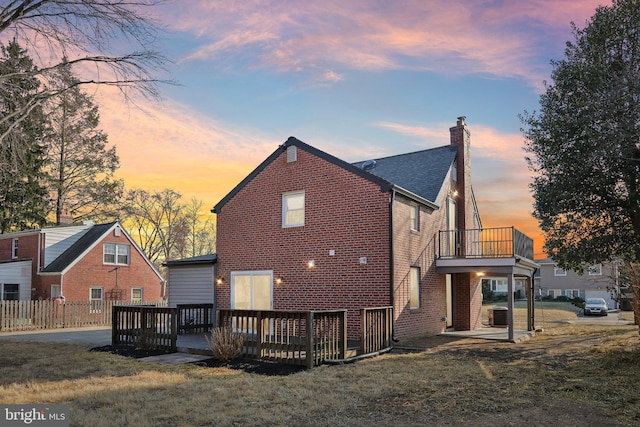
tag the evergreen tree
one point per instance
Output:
(22, 194)
(79, 162)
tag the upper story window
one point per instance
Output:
(557, 271)
(414, 215)
(116, 254)
(293, 209)
(595, 270)
(14, 248)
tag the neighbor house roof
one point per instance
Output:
(92, 237)
(74, 251)
(418, 175)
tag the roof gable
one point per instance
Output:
(89, 240)
(384, 185)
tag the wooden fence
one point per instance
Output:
(145, 327)
(47, 314)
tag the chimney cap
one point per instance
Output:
(461, 120)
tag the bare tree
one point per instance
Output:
(90, 33)
(166, 229)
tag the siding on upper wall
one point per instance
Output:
(191, 284)
(17, 272)
(59, 239)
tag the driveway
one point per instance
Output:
(613, 318)
(93, 336)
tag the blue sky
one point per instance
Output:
(358, 79)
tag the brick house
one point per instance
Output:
(308, 231)
(86, 262)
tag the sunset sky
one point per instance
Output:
(357, 79)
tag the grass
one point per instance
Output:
(572, 374)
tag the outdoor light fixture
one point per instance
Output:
(480, 273)
(454, 193)
(311, 263)
(279, 280)
(219, 281)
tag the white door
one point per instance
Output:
(251, 290)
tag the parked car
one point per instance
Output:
(595, 306)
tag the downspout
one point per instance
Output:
(392, 265)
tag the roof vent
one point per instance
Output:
(368, 165)
(292, 153)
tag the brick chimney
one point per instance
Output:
(65, 219)
(461, 138)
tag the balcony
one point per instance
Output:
(504, 242)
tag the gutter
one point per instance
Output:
(392, 199)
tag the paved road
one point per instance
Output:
(94, 336)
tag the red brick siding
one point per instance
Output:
(418, 249)
(343, 212)
(90, 272)
(27, 249)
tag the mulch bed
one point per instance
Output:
(129, 351)
(252, 366)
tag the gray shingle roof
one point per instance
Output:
(201, 259)
(421, 172)
(59, 264)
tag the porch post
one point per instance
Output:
(510, 305)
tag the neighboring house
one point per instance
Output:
(499, 286)
(308, 231)
(86, 262)
(597, 281)
(191, 280)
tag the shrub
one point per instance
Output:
(225, 343)
(145, 339)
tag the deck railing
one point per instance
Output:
(195, 318)
(295, 337)
(485, 243)
(145, 327)
(377, 329)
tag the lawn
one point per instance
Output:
(570, 374)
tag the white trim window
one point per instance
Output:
(595, 270)
(557, 271)
(554, 293)
(414, 217)
(96, 295)
(116, 254)
(572, 293)
(56, 291)
(293, 209)
(414, 288)
(14, 248)
(136, 295)
(11, 292)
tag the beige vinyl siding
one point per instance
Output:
(191, 284)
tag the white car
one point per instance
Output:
(595, 306)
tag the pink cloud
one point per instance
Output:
(438, 35)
